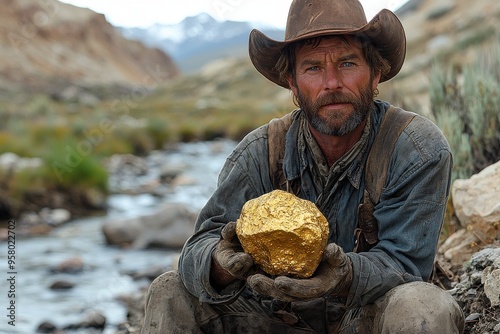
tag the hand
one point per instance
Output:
(332, 277)
(229, 261)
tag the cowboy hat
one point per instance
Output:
(313, 18)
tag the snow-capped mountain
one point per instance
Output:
(199, 39)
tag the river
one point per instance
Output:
(104, 276)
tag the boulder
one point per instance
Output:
(168, 227)
(477, 200)
(476, 203)
(285, 235)
(460, 246)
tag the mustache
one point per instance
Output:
(332, 98)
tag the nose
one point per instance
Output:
(331, 78)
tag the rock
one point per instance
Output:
(72, 265)
(459, 247)
(30, 218)
(150, 273)
(46, 327)
(476, 205)
(54, 217)
(8, 160)
(492, 285)
(168, 227)
(474, 296)
(473, 317)
(475, 200)
(4, 234)
(285, 235)
(92, 320)
(11, 160)
(170, 172)
(62, 285)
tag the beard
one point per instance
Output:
(327, 125)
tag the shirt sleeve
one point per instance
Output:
(244, 176)
(409, 214)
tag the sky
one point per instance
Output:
(144, 13)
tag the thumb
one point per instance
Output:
(229, 231)
(334, 255)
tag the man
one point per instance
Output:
(332, 60)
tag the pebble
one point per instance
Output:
(473, 317)
(61, 285)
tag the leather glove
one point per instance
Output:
(332, 277)
(229, 254)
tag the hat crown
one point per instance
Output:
(310, 16)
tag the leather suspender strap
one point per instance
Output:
(276, 132)
(376, 170)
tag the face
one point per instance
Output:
(334, 85)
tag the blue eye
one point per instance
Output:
(313, 68)
(347, 64)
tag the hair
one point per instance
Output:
(285, 66)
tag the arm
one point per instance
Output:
(410, 215)
(243, 176)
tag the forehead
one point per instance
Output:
(336, 45)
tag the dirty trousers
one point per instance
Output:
(415, 307)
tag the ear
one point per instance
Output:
(292, 86)
(376, 80)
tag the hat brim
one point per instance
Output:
(385, 31)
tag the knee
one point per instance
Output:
(165, 282)
(420, 307)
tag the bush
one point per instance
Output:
(465, 104)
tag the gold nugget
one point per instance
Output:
(285, 235)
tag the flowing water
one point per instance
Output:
(104, 276)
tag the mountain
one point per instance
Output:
(48, 44)
(197, 40)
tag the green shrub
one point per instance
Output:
(188, 131)
(466, 104)
(71, 167)
(158, 131)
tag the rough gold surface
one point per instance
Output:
(285, 235)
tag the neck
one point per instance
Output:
(334, 147)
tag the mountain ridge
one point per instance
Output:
(200, 39)
(49, 44)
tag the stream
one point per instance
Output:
(104, 276)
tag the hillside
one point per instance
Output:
(447, 33)
(48, 44)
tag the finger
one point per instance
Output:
(265, 287)
(229, 231)
(239, 264)
(303, 289)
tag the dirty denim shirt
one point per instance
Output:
(410, 212)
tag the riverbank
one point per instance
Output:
(70, 272)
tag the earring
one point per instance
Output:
(375, 92)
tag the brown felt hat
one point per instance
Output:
(313, 18)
